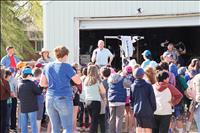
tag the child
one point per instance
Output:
(143, 102)
(129, 120)
(93, 92)
(117, 98)
(8, 75)
(83, 114)
(179, 109)
(166, 97)
(40, 98)
(13, 88)
(105, 73)
(76, 97)
(27, 93)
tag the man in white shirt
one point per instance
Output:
(101, 55)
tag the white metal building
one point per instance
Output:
(63, 20)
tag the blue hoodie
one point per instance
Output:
(173, 69)
(116, 91)
(143, 99)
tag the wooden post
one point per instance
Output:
(138, 52)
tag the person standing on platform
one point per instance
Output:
(101, 55)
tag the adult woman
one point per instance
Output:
(59, 104)
(93, 89)
(4, 95)
(45, 58)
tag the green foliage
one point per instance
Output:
(36, 12)
(13, 29)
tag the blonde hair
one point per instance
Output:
(150, 75)
(92, 75)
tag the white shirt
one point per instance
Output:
(101, 56)
(92, 92)
(163, 107)
(127, 45)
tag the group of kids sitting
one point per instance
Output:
(156, 99)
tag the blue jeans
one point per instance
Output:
(24, 122)
(60, 111)
(197, 118)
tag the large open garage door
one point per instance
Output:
(140, 22)
(174, 30)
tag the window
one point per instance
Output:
(38, 45)
(32, 35)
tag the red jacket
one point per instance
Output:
(4, 90)
(176, 94)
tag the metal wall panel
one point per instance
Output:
(59, 16)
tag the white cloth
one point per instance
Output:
(127, 46)
(101, 56)
(132, 62)
(163, 98)
(114, 104)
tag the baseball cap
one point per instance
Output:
(128, 69)
(27, 71)
(182, 70)
(11, 69)
(138, 72)
(39, 65)
(43, 50)
(9, 47)
(167, 54)
(146, 53)
(132, 62)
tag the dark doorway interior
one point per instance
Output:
(153, 37)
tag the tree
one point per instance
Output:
(13, 26)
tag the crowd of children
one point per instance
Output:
(152, 97)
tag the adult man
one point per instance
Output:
(101, 55)
(171, 50)
(148, 62)
(10, 60)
